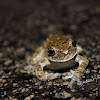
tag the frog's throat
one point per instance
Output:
(63, 60)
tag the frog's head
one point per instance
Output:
(60, 48)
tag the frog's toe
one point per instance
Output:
(72, 83)
(49, 76)
(69, 76)
(75, 79)
(52, 76)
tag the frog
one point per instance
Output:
(59, 52)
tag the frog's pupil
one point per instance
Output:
(51, 52)
(74, 43)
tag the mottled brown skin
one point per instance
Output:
(58, 49)
(60, 44)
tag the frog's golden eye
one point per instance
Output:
(74, 43)
(51, 52)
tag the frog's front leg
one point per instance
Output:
(83, 62)
(38, 54)
(44, 75)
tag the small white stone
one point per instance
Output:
(14, 99)
(8, 62)
(63, 94)
(30, 69)
(94, 71)
(28, 98)
(87, 71)
(98, 66)
(73, 98)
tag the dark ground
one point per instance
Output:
(24, 24)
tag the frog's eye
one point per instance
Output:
(74, 43)
(51, 52)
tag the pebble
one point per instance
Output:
(2, 80)
(95, 89)
(15, 84)
(66, 94)
(14, 99)
(49, 83)
(90, 94)
(28, 98)
(94, 71)
(14, 91)
(97, 93)
(57, 84)
(63, 94)
(45, 93)
(93, 43)
(40, 87)
(98, 66)
(54, 91)
(98, 46)
(73, 98)
(80, 98)
(73, 90)
(11, 98)
(87, 71)
(8, 62)
(29, 69)
(95, 67)
(24, 90)
(98, 57)
(5, 43)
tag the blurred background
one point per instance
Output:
(24, 24)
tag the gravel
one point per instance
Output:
(24, 24)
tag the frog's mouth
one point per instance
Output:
(62, 60)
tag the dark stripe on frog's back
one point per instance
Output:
(61, 65)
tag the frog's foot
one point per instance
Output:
(49, 76)
(76, 78)
(68, 76)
